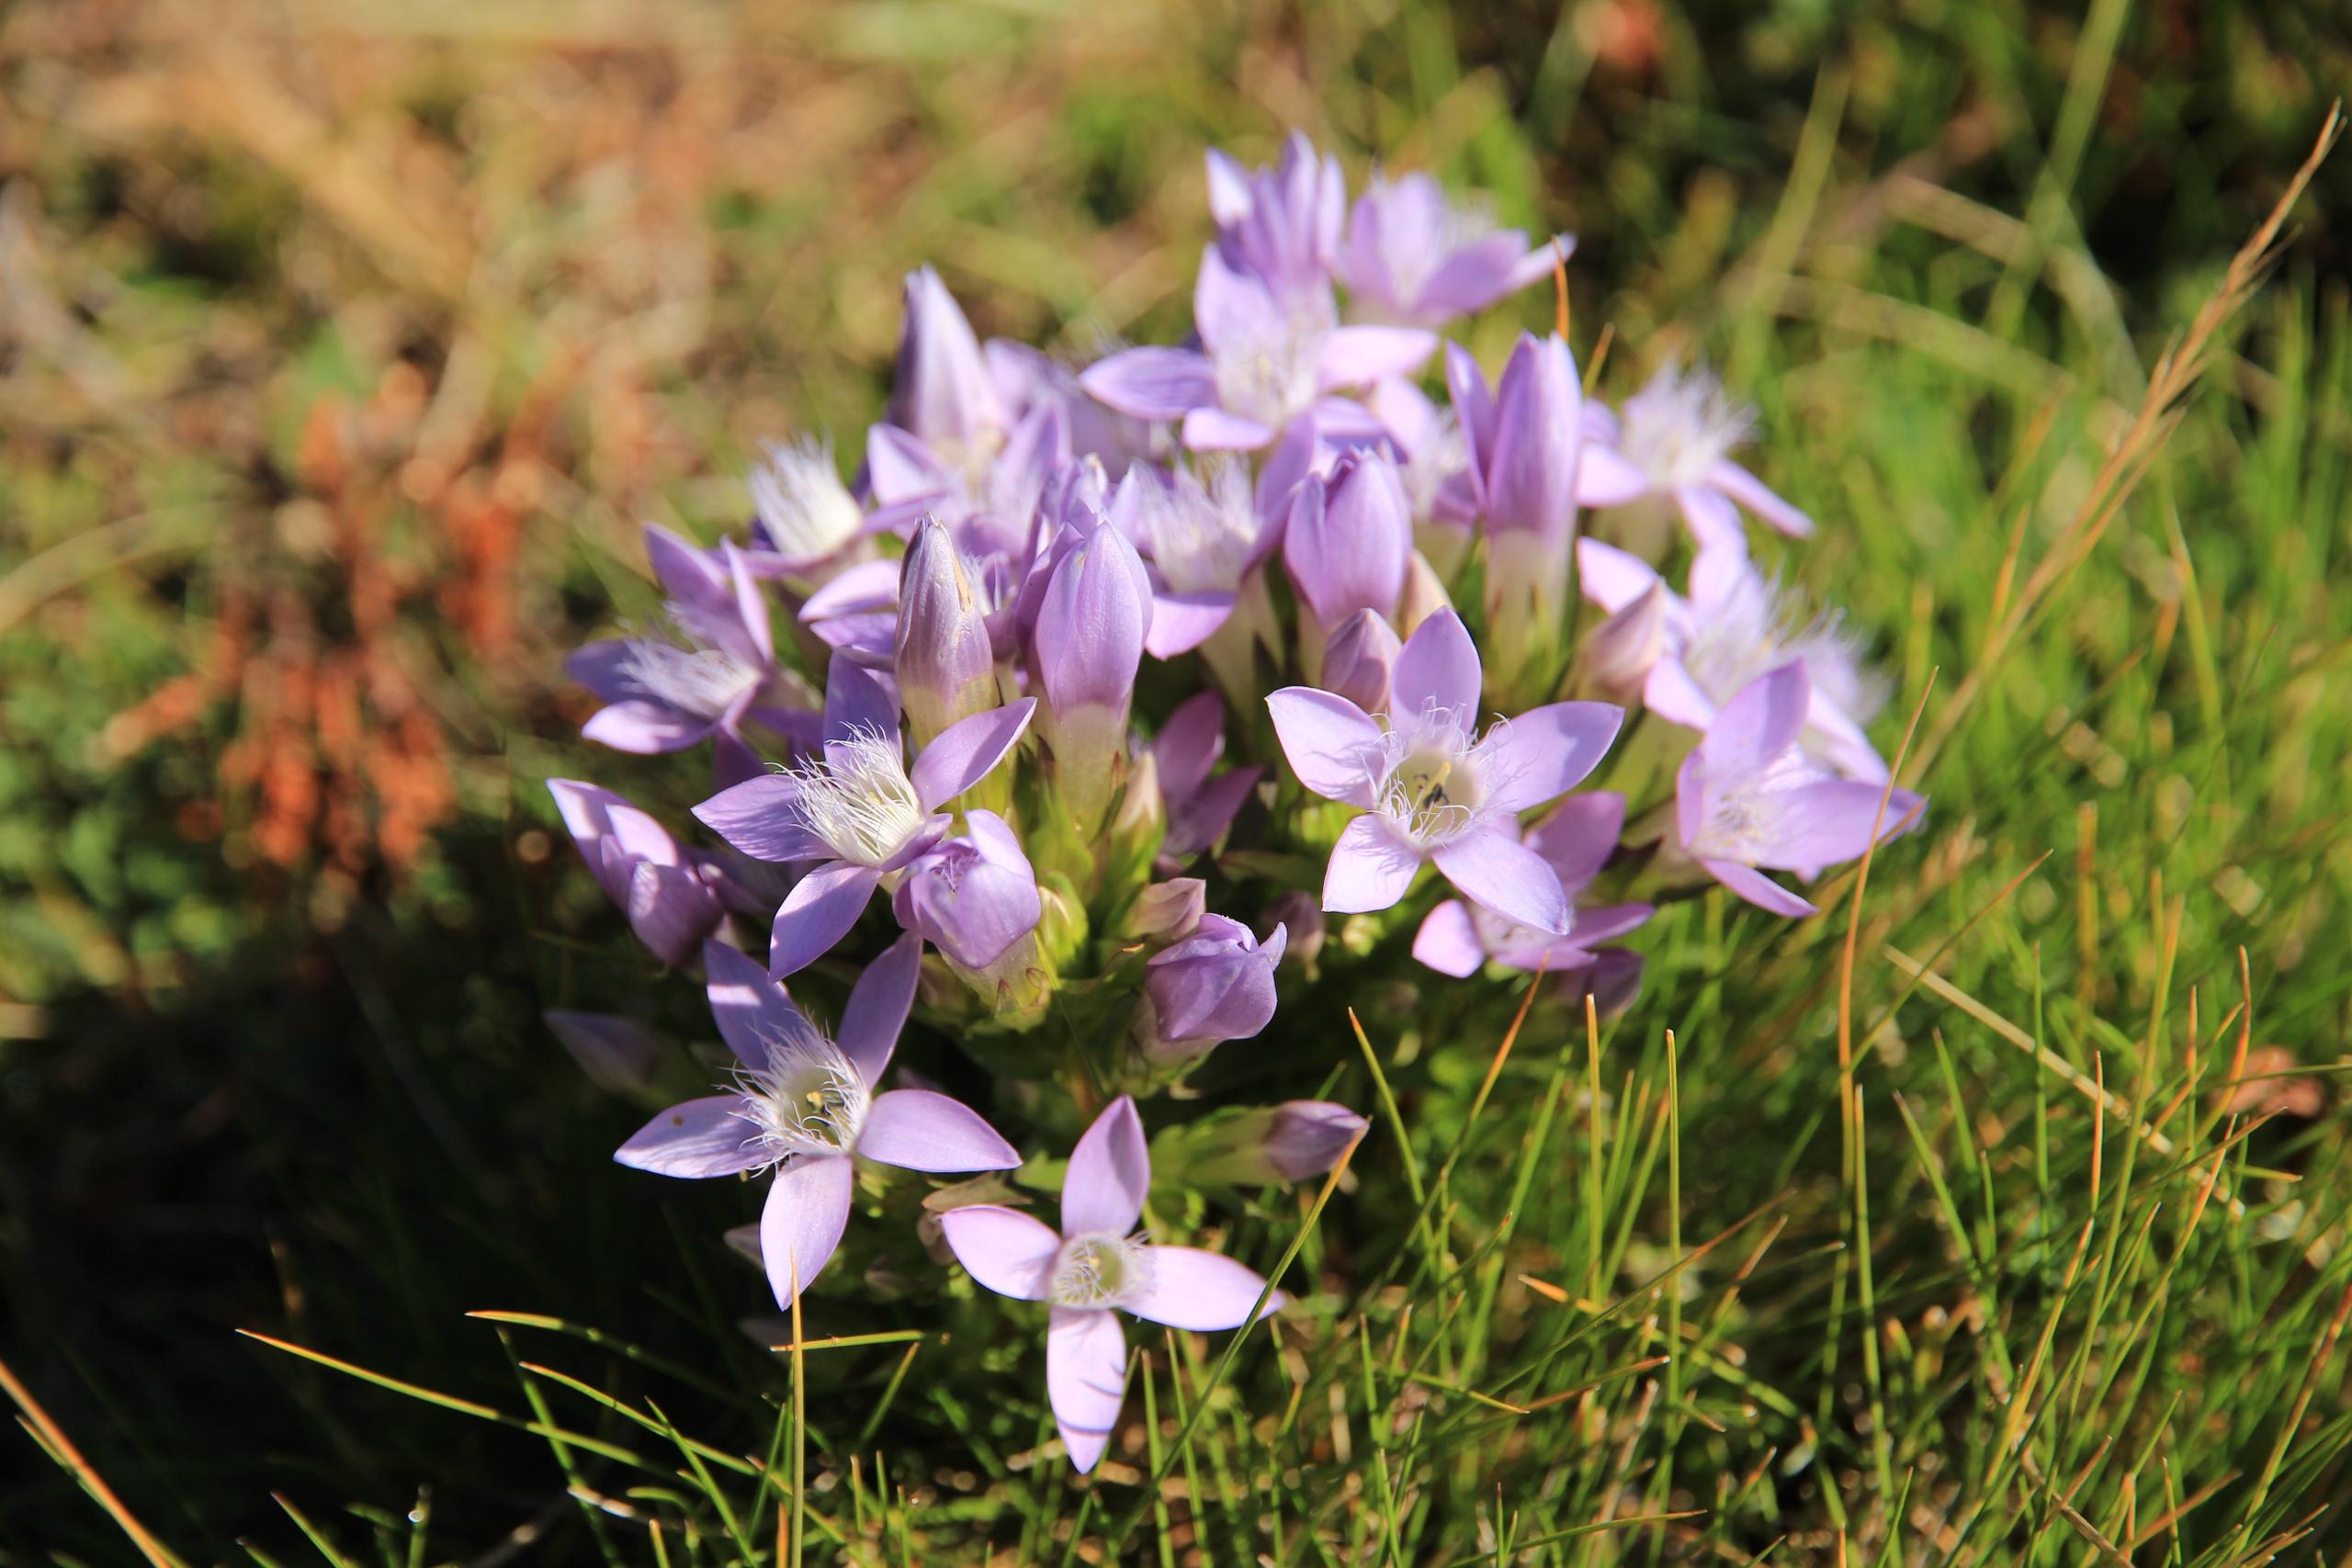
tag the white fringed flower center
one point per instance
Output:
(1430, 781)
(1202, 530)
(859, 799)
(1758, 627)
(1270, 377)
(802, 503)
(1425, 228)
(1743, 816)
(703, 681)
(809, 1099)
(1680, 425)
(1097, 1271)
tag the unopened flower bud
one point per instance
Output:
(1295, 1141)
(1083, 656)
(616, 1053)
(1217, 984)
(1424, 594)
(1168, 911)
(1617, 658)
(1348, 539)
(1358, 660)
(1298, 914)
(945, 666)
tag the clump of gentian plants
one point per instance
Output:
(1374, 702)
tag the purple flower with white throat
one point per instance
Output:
(1416, 256)
(1432, 787)
(974, 896)
(859, 809)
(1748, 800)
(1673, 439)
(1459, 938)
(1215, 985)
(1202, 535)
(1096, 1266)
(1736, 626)
(706, 674)
(1201, 802)
(803, 1105)
(1267, 359)
(672, 899)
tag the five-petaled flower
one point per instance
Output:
(1097, 1263)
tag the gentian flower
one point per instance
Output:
(1416, 257)
(802, 1105)
(1295, 1141)
(709, 672)
(1201, 802)
(1216, 985)
(941, 653)
(1096, 1266)
(1432, 787)
(1349, 540)
(673, 900)
(1671, 440)
(1203, 537)
(1092, 618)
(974, 896)
(1749, 799)
(805, 522)
(1524, 442)
(942, 393)
(1360, 660)
(1267, 359)
(1459, 938)
(1280, 225)
(860, 810)
(1736, 626)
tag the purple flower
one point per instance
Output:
(942, 393)
(1416, 257)
(1736, 626)
(973, 896)
(944, 663)
(860, 810)
(1749, 799)
(1203, 537)
(616, 1053)
(1458, 937)
(1348, 539)
(1201, 802)
(1266, 359)
(1280, 225)
(1216, 986)
(1360, 660)
(1432, 787)
(805, 522)
(1088, 644)
(1671, 440)
(1524, 442)
(1295, 1141)
(802, 1105)
(707, 672)
(672, 899)
(1097, 1263)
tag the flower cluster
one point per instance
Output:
(1029, 730)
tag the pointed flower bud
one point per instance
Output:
(1299, 915)
(1083, 654)
(1216, 985)
(945, 666)
(616, 1053)
(1424, 596)
(944, 394)
(1618, 657)
(1359, 658)
(1348, 539)
(1295, 1141)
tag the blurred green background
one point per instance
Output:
(344, 348)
